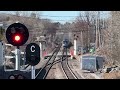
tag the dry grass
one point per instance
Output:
(112, 75)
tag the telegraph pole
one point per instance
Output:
(88, 28)
(81, 43)
(98, 37)
(88, 36)
(96, 41)
(99, 28)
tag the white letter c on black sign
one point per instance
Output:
(32, 48)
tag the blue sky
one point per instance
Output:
(59, 16)
(63, 16)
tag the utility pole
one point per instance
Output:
(88, 28)
(96, 41)
(88, 36)
(99, 32)
(81, 43)
(102, 32)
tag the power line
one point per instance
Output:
(58, 16)
(63, 20)
(72, 28)
(69, 16)
(11, 12)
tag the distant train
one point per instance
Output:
(66, 43)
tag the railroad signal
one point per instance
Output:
(76, 37)
(17, 34)
(33, 54)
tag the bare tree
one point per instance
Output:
(85, 24)
(31, 20)
(111, 36)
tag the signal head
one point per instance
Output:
(17, 34)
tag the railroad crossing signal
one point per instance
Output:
(33, 54)
(17, 34)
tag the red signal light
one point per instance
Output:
(17, 38)
(17, 34)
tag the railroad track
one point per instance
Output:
(42, 74)
(66, 68)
